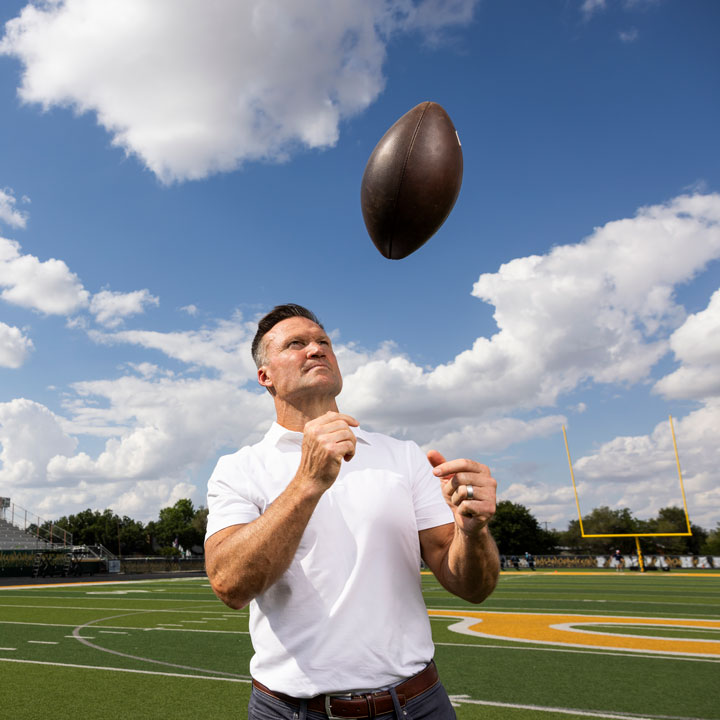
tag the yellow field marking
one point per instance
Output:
(557, 629)
(608, 574)
(601, 573)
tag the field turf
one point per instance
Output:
(545, 645)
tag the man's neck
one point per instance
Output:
(294, 416)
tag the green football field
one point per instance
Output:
(545, 645)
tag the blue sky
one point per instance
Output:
(169, 171)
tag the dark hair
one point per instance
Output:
(276, 315)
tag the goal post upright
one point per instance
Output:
(637, 536)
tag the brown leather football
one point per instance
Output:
(411, 180)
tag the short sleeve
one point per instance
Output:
(431, 509)
(229, 494)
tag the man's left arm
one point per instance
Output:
(463, 555)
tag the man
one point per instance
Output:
(320, 527)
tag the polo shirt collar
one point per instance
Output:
(277, 434)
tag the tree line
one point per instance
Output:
(178, 528)
(516, 531)
(514, 527)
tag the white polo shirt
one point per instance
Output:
(349, 613)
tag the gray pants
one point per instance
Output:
(433, 704)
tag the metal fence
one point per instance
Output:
(33, 525)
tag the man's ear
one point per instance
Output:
(263, 377)
(265, 381)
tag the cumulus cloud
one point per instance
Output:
(50, 287)
(207, 86)
(46, 286)
(14, 346)
(628, 36)
(640, 472)
(600, 310)
(30, 435)
(111, 308)
(224, 347)
(590, 7)
(9, 213)
(696, 345)
(475, 439)
(163, 426)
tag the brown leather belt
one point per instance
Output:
(368, 705)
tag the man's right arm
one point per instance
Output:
(243, 561)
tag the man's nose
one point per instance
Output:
(314, 348)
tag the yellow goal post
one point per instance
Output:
(637, 536)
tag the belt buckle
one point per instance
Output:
(328, 708)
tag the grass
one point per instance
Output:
(169, 649)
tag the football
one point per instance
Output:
(411, 180)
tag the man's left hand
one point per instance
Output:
(468, 488)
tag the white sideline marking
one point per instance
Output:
(92, 607)
(179, 628)
(241, 679)
(42, 642)
(638, 654)
(84, 637)
(113, 632)
(459, 699)
(96, 583)
(8, 649)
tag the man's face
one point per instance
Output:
(298, 360)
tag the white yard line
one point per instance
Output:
(176, 628)
(638, 654)
(464, 699)
(185, 676)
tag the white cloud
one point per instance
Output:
(14, 346)
(590, 7)
(551, 504)
(138, 500)
(600, 310)
(111, 308)
(47, 286)
(30, 435)
(628, 36)
(162, 427)
(8, 212)
(196, 88)
(696, 345)
(640, 472)
(479, 439)
(224, 347)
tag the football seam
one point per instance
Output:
(402, 175)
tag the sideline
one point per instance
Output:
(21, 583)
(186, 676)
(459, 699)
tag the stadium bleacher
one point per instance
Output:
(14, 538)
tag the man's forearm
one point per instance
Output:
(472, 565)
(244, 563)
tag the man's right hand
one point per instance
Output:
(327, 441)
